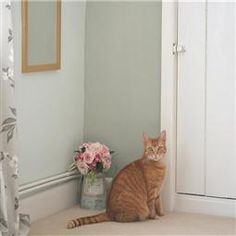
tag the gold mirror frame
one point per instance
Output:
(25, 60)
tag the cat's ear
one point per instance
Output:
(145, 137)
(163, 135)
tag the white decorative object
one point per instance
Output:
(11, 222)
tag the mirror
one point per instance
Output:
(41, 35)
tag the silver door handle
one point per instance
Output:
(177, 48)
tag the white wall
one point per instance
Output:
(51, 104)
(122, 89)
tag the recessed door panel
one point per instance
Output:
(191, 99)
(221, 101)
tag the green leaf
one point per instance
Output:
(10, 38)
(92, 176)
(2, 156)
(10, 134)
(14, 176)
(13, 110)
(10, 35)
(3, 222)
(16, 203)
(25, 221)
(99, 167)
(6, 128)
(5, 69)
(73, 167)
(8, 6)
(9, 120)
(12, 82)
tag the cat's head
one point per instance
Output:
(155, 148)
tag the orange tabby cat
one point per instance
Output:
(135, 191)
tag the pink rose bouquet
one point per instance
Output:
(92, 158)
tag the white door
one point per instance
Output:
(191, 99)
(221, 100)
(206, 100)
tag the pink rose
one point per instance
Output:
(95, 147)
(88, 157)
(98, 157)
(80, 157)
(83, 167)
(93, 153)
(106, 163)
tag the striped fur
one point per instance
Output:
(135, 191)
(88, 220)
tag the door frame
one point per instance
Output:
(168, 96)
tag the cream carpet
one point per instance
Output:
(171, 223)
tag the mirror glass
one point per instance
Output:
(41, 35)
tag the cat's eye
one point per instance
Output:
(161, 148)
(149, 149)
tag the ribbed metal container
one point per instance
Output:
(93, 195)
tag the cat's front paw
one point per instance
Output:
(161, 214)
(153, 215)
(156, 217)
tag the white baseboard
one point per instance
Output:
(205, 205)
(49, 196)
(48, 201)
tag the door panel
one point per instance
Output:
(191, 99)
(221, 97)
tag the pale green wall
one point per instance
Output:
(51, 104)
(122, 75)
(122, 90)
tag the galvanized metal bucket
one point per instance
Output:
(93, 194)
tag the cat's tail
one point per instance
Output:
(88, 220)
